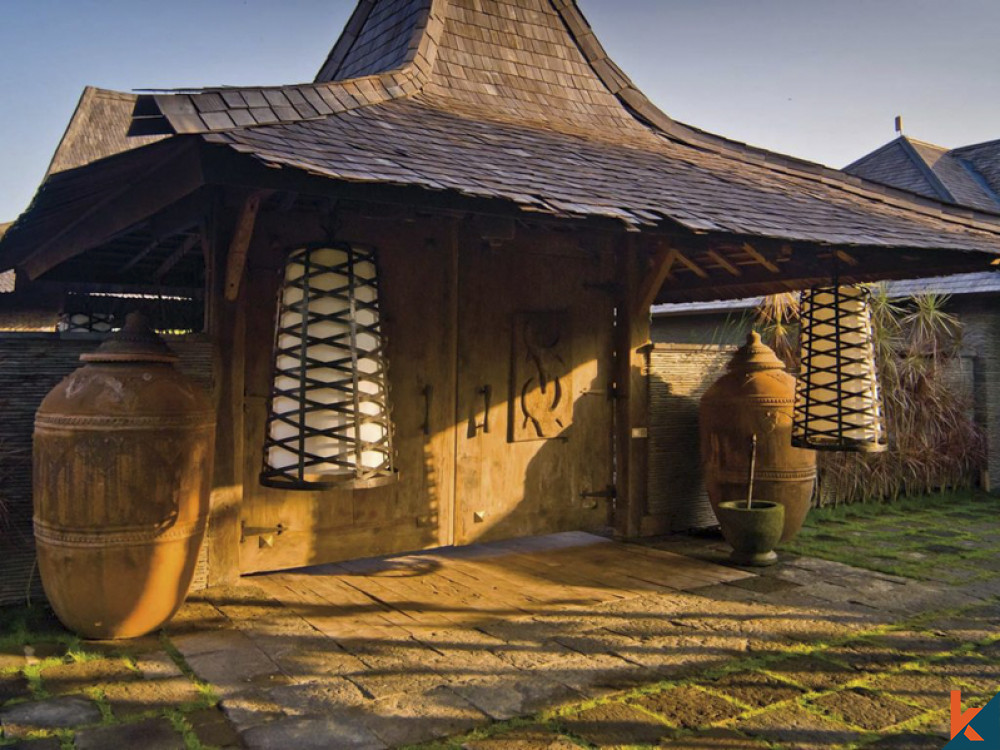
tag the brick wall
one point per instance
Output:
(30, 365)
(678, 376)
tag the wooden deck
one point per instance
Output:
(465, 586)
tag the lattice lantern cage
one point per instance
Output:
(837, 401)
(328, 422)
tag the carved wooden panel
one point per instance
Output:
(542, 386)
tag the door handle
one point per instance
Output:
(486, 392)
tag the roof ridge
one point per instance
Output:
(927, 170)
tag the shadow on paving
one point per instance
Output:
(566, 643)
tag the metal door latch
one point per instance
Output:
(265, 534)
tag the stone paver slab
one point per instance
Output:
(77, 677)
(13, 686)
(866, 709)
(530, 738)
(754, 689)
(330, 694)
(715, 739)
(346, 732)
(55, 713)
(612, 724)
(688, 707)
(153, 734)
(812, 672)
(211, 728)
(796, 727)
(508, 696)
(930, 691)
(43, 743)
(411, 719)
(141, 696)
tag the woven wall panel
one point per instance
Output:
(679, 375)
(29, 367)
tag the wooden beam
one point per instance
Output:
(173, 174)
(846, 257)
(185, 247)
(663, 261)
(130, 264)
(237, 257)
(691, 265)
(749, 250)
(722, 263)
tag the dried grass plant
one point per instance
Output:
(934, 441)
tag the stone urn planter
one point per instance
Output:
(752, 531)
(755, 397)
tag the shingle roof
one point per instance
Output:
(987, 282)
(517, 100)
(98, 129)
(933, 171)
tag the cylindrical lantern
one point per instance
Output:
(328, 420)
(837, 401)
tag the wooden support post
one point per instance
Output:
(227, 327)
(240, 244)
(632, 405)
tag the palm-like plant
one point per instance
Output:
(934, 441)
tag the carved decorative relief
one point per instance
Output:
(542, 393)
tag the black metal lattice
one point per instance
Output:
(837, 400)
(328, 421)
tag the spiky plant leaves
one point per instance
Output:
(934, 441)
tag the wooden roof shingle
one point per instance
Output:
(516, 100)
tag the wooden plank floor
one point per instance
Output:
(462, 587)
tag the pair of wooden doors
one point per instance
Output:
(500, 365)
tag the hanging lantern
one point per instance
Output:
(837, 402)
(328, 420)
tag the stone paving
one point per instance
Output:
(523, 648)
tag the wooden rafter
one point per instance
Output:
(752, 252)
(691, 265)
(174, 258)
(240, 244)
(135, 259)
(722, 263)
(846, 257)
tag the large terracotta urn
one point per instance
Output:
(755, 397)
(122, 473)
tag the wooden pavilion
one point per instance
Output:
(512, 178)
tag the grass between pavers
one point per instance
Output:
(35, 631)
(935, 537)
(927, 720)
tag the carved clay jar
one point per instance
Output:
(122, 475)
(755, 396)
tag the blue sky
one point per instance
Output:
(818, 79)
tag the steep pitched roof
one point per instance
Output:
(516, 100)
(98, 129)
(935, 172)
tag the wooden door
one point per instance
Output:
(534, 418)
(287, 529)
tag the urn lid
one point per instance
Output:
(135, 342)
(755, 355)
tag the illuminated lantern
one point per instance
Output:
(328, 422)
(837, 401)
